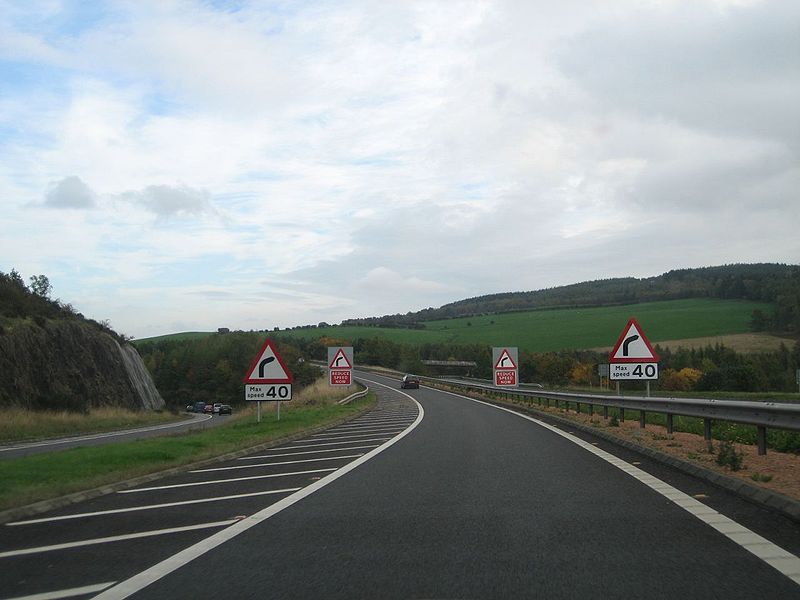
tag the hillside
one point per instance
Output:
(567, 329)
(776, 284)
(51, 357)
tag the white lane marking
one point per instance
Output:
(116, 511)
(772, 554)
(286, 462)
(304, 452)
(350, 436)
(334, 434)
(165, 567)
(380, 439)
(214, 481)
(70, 593)
(98, 436)
(114, 538)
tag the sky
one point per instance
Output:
(183, 166)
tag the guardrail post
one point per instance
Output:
(547, 402)
(641, 419)
(761, 435)
(707, 429)
(578, 407)
(605, 411)
(621, 414)
(591, 409)
(669, 423)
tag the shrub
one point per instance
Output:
(729, 457)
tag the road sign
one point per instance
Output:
(268, 367)
(340, 365)
(271, 392)
(505, 362)
(638, 371)
(340, 357)
(633, 346)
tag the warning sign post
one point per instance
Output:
(506, 372)
(268, 379)
(340, 365)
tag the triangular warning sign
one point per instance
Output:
(340, 361)
(633, 346)
(505, 362)
(268, 367)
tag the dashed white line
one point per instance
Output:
(114, 538)
(304, 452)
(69, 593)
(116, 511)
(288, 462)
(215, 481)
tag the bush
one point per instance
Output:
(729, 457)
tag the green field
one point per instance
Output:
(560, 329)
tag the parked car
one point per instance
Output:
(216, 407)
(409, 381)
(209, 409)
(225, 409)
(199, 406)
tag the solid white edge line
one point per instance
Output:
(113, 538)
(70, 593)
(116, 511)
(779, 559)
(165, 567)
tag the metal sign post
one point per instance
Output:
(259, 411)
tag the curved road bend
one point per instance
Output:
(194, 421)
(475, 502)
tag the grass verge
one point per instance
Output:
(40, 477)
(20, 425)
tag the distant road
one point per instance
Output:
(110, 437)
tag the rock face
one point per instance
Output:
(68, 365)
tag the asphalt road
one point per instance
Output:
(192, 421)
(462, 500)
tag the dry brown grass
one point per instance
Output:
(18, 424)
(740, 342)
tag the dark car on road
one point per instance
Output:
(199, 406)
(209, 409)
(225, 409)
(409, 381)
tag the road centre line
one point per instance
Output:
(290, 462)
(116, 511)
(70, 593)
(114, 538)
(381, 439)
(213, 481)
(306, 452)
(772, 554)
(167, 566)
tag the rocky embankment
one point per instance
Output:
(69, 365)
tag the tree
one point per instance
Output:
(40, 285)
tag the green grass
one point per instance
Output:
(33, 478)
(560, 329)
(186, 335)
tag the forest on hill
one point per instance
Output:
(776, 284)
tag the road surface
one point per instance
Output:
(431, 495)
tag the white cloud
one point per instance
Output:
(308, 162)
